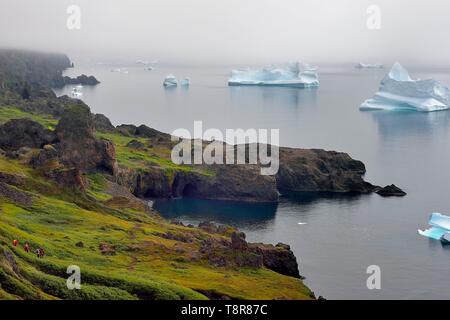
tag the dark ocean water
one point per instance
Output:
(340, 236)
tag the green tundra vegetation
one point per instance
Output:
(141, 264)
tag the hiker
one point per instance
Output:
(38, 253)
(15, 243)
(26, 247)
(42, 252)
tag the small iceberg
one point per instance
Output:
(76, 92)
(149, 68)
(296, 74)
(116, 70)
(440, 228)
(186, 82)
(170, 81)
(369, 66)
(399, 92)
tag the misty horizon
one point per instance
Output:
(232, 32)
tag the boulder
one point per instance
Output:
(135, 144)
(78, 146)
(238, 241)
(102, 123)
(19, 133)
(391, 191)
(278, 258)
(127, 129)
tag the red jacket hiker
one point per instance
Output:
(26, 247)
(15, 243)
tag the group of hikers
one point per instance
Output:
(39, 251)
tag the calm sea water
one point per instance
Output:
(339, 236)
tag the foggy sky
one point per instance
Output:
(237, 31)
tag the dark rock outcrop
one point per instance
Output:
(142, 131)
(15, 195)
(135, 144)
(314, 170)
(83, 80)
(18, 133)
(78, 146)
(102, 123)
(391, 191)
(71, 177)
(278, 258)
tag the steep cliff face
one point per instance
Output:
(320, 171)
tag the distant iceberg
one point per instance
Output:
(369, 66)
(170, 81)
(440, 228)
(399, 92)
(186, 82)
(296, 74)
(76, 92)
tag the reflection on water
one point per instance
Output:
(410, 124)
(272, 96)
(191, 210)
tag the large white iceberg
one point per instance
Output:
(399, 92)
(440, 228)
(295, 74)
(170, 81)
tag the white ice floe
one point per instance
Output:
(369, 66)
(76, 92)
(440, 228)
(170, 81)
(186, 82)
(295, 74)
(399, 92)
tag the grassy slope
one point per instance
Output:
(145, 265)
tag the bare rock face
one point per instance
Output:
(314, 170)
(102, 123)
(278, 258)
(391, 191)
(68, 177)
(78, 146)
(19, 133)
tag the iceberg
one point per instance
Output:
(295, 74)
(186, 82)
(76, 92)
(170, 81)
(439, 228)
(398, 91)
(369, 66)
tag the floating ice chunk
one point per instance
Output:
(296, 74)
(76, 91)
(149, 68)
(186, 82)
(170, 81)
(369, 66)
(440, 227)
(399, 92)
